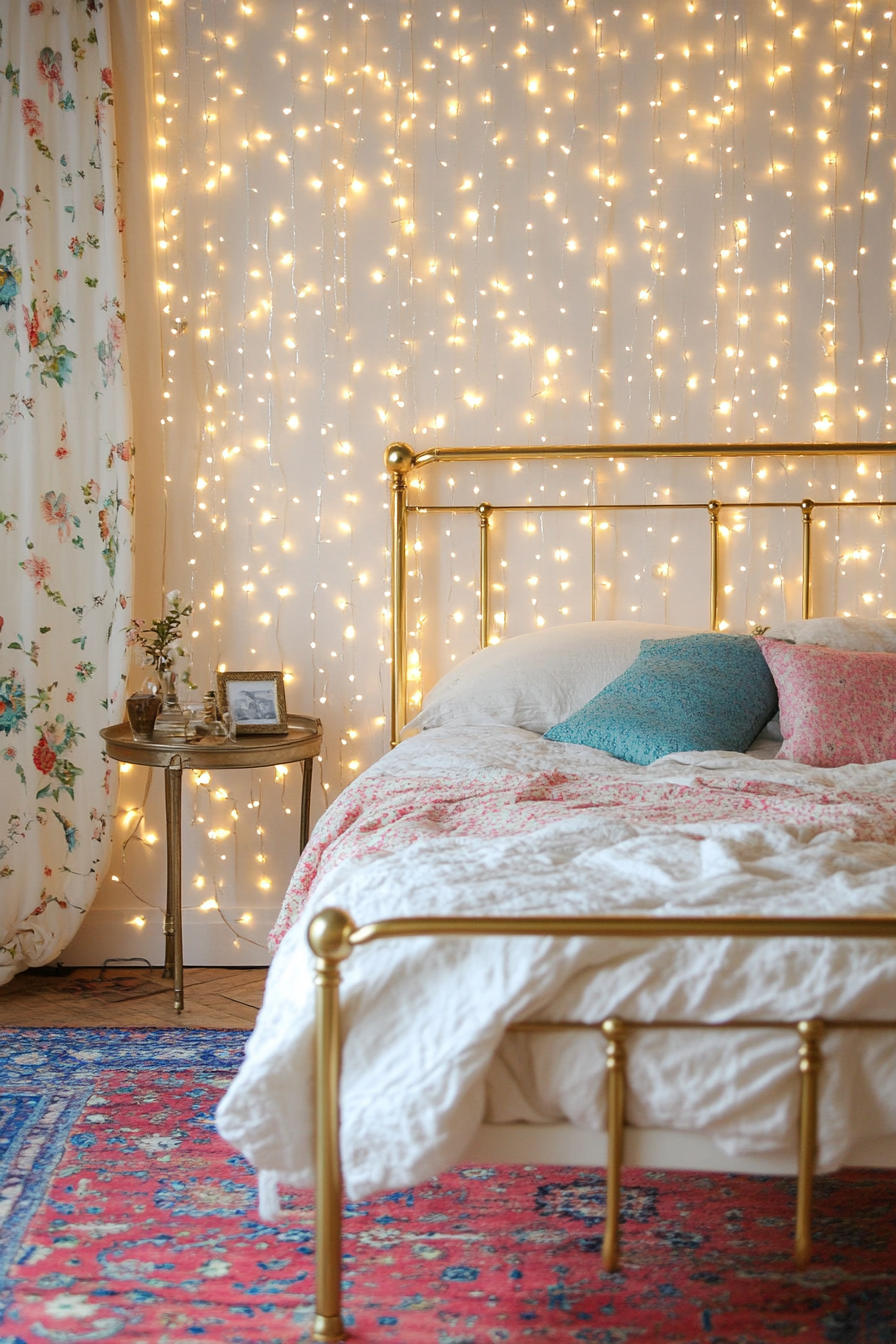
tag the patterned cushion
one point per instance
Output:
(865, 634)
(707, 692)
(838, 707)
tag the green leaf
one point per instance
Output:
(20, 644)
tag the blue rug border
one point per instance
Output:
(132, 1047)
(60, 1072)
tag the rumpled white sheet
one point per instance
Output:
(424, 1060)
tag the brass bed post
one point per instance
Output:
(485, 615)
(714, 506)
(329, 937)
(614, 1031)
(399, 457)
(810, 1033)
(806, 507)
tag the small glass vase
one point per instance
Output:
(170, 722)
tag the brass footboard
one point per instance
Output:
(332, 936)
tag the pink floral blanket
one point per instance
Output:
(382, 812)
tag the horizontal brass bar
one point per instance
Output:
(646, 508)
(630, 926)
(830, 1023)
(851, 504)
(635, 450)
(549, 508)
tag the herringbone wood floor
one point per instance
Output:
(216, 996)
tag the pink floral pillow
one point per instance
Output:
(838, 707)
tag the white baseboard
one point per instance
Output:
(108, 932)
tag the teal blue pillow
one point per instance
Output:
(708, 692)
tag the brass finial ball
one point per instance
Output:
(399, 457)
(329, 934)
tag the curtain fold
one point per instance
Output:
(131, 38)
(66, 469)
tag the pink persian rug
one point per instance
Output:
(124, 1217)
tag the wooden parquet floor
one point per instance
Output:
(216, 996)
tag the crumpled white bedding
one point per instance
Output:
(424, 1058)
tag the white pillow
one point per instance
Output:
(534, 681)
(862, 634)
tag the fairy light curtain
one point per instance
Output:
(65, 453)
(564, 222)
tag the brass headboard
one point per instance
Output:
(401, 460)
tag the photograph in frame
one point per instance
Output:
(256, 701)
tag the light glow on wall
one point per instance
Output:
(491, 224)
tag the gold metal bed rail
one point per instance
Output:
(401, 460)
(333, 935)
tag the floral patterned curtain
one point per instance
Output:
(66, 485)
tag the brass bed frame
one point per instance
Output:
(333, 935)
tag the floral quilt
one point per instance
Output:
(389, 809)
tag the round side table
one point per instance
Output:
(301, 743)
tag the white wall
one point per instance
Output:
(490, 225)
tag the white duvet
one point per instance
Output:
(425, 1056)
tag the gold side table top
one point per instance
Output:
(302, 743)
(303, 740)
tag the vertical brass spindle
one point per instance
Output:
(806, 507)
(485, 614)
(328, 936)
(810, 1033)
(399, 457)
(615, 1031)
(593, 568)
(714, 506)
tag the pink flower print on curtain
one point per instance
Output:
(66, 488)
(49, 67)
(55, 510)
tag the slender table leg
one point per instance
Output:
(174, 933)
(307, 775)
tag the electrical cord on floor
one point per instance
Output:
(122, 961)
